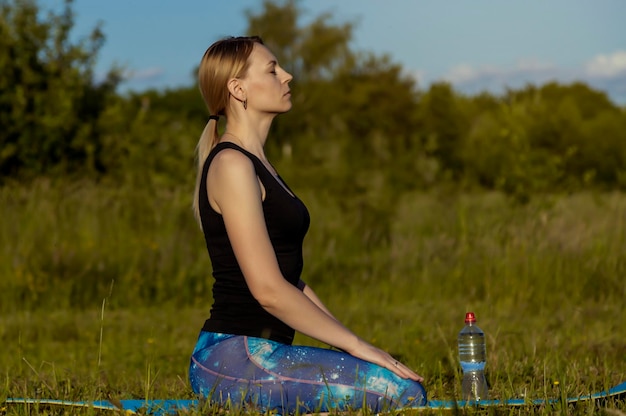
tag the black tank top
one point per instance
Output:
(234, 310)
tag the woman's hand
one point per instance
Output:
(375, 355)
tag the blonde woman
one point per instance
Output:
(254, 226)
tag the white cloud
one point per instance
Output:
(523, 69)
(607, 66)
(464, 73)
(147, 74)
(604, 72)
(473, 79)
(419, 76)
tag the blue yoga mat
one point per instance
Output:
(171, 406)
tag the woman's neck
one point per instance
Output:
(250, 136)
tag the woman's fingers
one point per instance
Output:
(405, 372)
(375, 355)
(398, 368)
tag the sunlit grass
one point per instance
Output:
(545, 280)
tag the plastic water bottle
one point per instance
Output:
(473, 356)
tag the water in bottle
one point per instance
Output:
(473, 356)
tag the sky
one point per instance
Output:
(476, 45)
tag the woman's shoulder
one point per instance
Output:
(233, 180)
(229, 163)
(230, 153)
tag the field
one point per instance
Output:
(103, 289)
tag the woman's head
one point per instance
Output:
(232, 71)
(224, 60)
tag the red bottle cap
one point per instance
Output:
(470, 318)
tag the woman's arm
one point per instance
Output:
(309, 293)
(235, 192)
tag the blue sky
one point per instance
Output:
(476, 45)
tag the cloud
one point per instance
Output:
(143, 75)
(607, 66)
(419, 76)
(473, 79)
(606, 72)
(523, 69)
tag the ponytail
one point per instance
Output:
(208, 140)
(225, 59)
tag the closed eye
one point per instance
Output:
(272, 65)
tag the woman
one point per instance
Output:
(254, 226)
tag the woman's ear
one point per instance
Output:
(237, 89)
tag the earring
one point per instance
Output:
(245, 104)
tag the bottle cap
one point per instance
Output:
(470, 318)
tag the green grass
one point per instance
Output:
(103, 290)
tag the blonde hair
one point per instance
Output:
(224, 60)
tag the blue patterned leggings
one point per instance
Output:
(246, 372)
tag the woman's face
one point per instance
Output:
(267, 83)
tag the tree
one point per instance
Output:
(354, 114)
(49, 101)
(442, 126)
(313, 54)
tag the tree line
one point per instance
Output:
(360, 125)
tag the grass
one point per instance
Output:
(103, 290)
